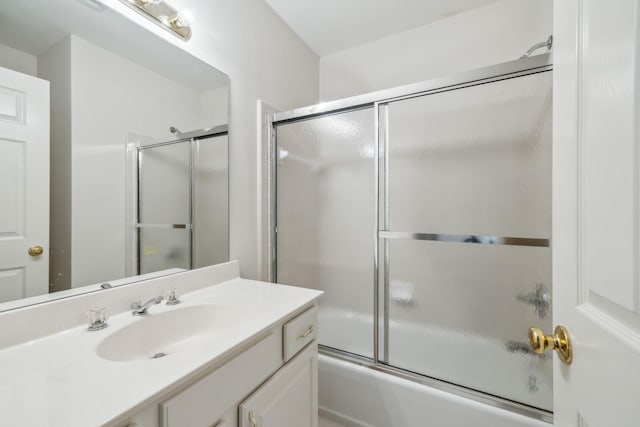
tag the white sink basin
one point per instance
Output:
(158, 335)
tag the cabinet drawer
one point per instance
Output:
(299, 332)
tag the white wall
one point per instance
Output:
(496, 33)
(54, 65)
(18, 61)
(215, 104)
(264, 59)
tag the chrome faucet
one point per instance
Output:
(140, 309)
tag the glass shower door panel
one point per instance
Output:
(164, 248)
(460, 312)
(164, 184)
(473, 161)
(325, 215)
(211, 201)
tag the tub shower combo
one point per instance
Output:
(424, 213)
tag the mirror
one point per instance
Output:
(113, 153)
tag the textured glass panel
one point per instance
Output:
(460, 312)
(211, 232)
(325, 213)
(473, 161)
(164, 248)
(165, 195)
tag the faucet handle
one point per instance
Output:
(97, 318)
(172, 296)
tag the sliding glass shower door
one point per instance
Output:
(185, 224)
(325, 240)
(164, 217)
(426, 219)
(465, 236)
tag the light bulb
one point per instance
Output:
(183, 19)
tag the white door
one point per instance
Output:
(24, 185)
(596, 211)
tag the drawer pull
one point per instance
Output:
(254, 423)
(306, 333)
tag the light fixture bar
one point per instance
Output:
(164, 15)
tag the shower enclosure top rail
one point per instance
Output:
(196, 134)
(527, 65)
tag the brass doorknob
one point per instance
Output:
(560, 341)
(36, 250)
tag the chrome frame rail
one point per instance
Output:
(196, 134)
(376, 248)
(176, 226)
(458, 390)
(273, 201)
(479, 240)
(503, 71)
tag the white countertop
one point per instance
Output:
(59, 380)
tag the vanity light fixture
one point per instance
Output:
(164, 15)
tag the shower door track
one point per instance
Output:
(504, 71)
(379, 102)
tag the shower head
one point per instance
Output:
(174, 130)
(548, 44)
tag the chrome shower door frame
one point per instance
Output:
(380, 102)
(192, 139)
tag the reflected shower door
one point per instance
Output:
(164, 217)
(211, 200)
(465, 236)
(325, 220)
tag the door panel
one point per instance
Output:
(24, 184)
(465, 236)
(596, 225)
(167, 167)
(326, 222)
(12, 284)
(288, 398)
(473, 161)
(164, 248)
(433, 300)
(12, 187)
(211, 195)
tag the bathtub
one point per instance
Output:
(357, 396)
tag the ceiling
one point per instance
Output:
(330, 26)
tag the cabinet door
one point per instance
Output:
(289, 398)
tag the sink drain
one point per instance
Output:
(158, 355)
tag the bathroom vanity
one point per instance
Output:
(233, 352)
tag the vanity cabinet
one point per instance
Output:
(289, 398)
(272, 383)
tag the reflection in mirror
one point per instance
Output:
(113, 152)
